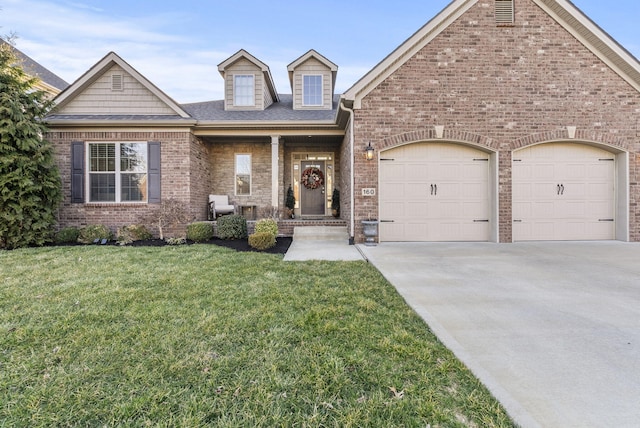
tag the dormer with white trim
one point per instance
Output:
(248, 84)
(313, 79)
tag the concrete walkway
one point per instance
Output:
(552, 329)
(335, 250)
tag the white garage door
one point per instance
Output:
(434, 192)
(563, 191)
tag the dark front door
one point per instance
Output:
(312, 195)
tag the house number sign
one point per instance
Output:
(369, 192)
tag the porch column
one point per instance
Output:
(275, 173)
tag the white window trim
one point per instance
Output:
(253, 93)
(117, 172)
(235, 174)
(321, 90)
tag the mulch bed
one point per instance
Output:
(282, 244)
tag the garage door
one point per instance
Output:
(434, 192)
(563, 191)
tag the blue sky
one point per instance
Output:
(178, 44)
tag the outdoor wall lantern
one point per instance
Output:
(369, 152)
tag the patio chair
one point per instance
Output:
(219, 205)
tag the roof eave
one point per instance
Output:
(119, 122)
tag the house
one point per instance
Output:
(49, 81)
(499, 121)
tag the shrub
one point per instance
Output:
(199, 231)
(232, 226)
(262, 240)
(67, 235)
(133, 232)
(92, 232)
(267, 225)
(176, 241)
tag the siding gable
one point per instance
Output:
(97, 93)
(312, 63)
(243, 63)
(100, 99)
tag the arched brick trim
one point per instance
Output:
(581, 136)
(452, 135)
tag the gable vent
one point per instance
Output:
(117, 82)
(504, 12)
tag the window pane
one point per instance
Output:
(243, 90)
(102, 157)
(243, 185)
(312, 90)
(243, 174)
(133, 187)
(133, 157)
(102, 187)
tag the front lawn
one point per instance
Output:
(204, 336)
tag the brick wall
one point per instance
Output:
(222, 159)
(502, 88)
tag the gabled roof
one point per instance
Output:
(222, 67)
(564, 12)
(313, 54)
(103, 66)
(51, 81)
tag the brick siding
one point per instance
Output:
(502, 88)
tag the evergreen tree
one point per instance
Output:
(30, 189)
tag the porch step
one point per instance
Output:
(320, 233)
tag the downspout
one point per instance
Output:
(352, 226)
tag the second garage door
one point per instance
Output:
(434, 192)
(563, 191)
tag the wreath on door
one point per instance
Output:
(312, 178)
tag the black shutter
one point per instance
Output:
(153, 172)
(77, 172)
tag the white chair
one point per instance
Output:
(219, 205)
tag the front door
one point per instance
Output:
(312, 187)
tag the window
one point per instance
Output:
(117, 172)
(312, 90)
(244, 93)
(243, 174)
(504, 12)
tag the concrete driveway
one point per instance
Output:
(552, 329)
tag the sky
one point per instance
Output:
(178, 44)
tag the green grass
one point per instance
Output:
(204, 336)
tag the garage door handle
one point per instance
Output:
(481, 221)
(436, 189)
(606, 219)
(432, 189)
(560, 189)
(387, 221)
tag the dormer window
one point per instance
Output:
(312, 90)
(244, 90)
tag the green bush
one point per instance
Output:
(67, 235)
(262, 240)
(199, 231)
(89, 234)
(267, 225)
(232, 226)
(133, 232)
